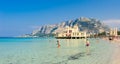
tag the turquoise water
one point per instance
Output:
(45, 51)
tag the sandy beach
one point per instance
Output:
(116, 56)
(115, 59)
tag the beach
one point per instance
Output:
(46, 51)
(115, 59)
(116, 56)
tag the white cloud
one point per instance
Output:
(112, 22)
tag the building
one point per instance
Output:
(71, 33)
(114, 32)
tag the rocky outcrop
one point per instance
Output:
(90, 25)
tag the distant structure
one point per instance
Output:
(71, 33)
(113, 32)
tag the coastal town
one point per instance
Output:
(75, 33)
(71, 33)
(60, 32)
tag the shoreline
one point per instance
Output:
(115, 57)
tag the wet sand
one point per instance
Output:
(115, 59)
(116, 56)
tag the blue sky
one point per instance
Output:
(19, 17)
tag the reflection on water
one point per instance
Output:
(73, 42)
(71, 48)
(75, 50)
(45, 51)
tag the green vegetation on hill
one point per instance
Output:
(118, 32)
(102, 34)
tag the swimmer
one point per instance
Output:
(58, 43)
(87, 45)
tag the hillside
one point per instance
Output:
(90, 25)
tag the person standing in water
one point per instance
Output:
(58, 44)
(87, 46)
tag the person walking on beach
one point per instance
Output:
(87, 46)
(58, 44)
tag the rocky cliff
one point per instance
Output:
(90, 25)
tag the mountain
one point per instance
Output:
(90, 25)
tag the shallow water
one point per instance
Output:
(45, 51)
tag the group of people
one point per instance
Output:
(87, 44)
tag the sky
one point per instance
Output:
(18, 17)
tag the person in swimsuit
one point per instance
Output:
(58, 43)
(87, 47)
(87, 43)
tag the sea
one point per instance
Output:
(15, 50)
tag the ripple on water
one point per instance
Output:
(44, 52)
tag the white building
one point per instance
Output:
(71, 33)
(114, 32)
